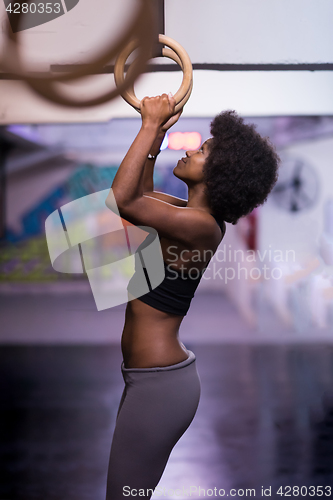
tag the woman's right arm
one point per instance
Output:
(168, 198)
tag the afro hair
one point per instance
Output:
(241, 168)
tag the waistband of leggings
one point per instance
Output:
(191, 358)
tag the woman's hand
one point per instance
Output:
(174, 119)
(163, 130)
(158, 111)
(146, 105)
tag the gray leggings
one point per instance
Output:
(157, 406)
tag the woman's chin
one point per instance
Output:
(176, 171)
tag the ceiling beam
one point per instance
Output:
(155, 68)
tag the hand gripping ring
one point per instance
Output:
(177, 53)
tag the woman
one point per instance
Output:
(229, 176)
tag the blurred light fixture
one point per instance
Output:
(184, 140)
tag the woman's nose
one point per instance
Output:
(191, 152)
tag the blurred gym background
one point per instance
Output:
(261, 323)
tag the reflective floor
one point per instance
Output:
(265, 420)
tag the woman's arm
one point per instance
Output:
(148, 176)
(128, 183)
(173, 200)
(184, 224)
(148, 180)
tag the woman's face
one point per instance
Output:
(191, 167)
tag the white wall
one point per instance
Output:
(216, 31)
(252, 31)
(300, 231)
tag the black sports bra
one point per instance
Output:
(177, 289)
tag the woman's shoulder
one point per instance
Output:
(221, 224)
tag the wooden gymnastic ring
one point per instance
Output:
(171, 55)
(181, 57)
(46, 86)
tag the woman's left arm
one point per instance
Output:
(180, 223)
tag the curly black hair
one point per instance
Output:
(241, 168)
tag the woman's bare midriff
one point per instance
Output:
(150, 337)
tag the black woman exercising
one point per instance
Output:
(230, 175)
